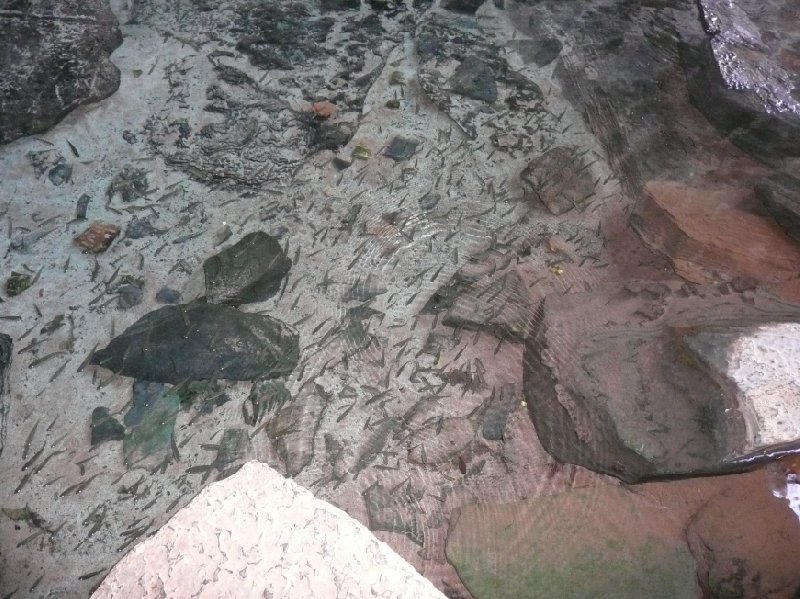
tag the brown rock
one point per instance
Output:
(97, 238)
(324, 109)
(708, 238)
(559, 179)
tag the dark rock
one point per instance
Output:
(61, 173)
(17, 283)
(140, 227)
(82, 206)
(234, 448)
(336, 5)
(540, 51)
(54, 56)
(401, 148)
(617, 380)
(429, 200)
(781, 195)
(467, 7)
(739, 114)
(129, 295)
(6, 352)
(201, 341)
(151, 425)
(559, 179)
(249, 271)
(474, 79)
(166, 295)
(105, 427)
(284, 35)
(328, 135)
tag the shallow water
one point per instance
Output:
(545, 325)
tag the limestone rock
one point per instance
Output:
(708, 238)
(618, 380)
(54, 56)
(257, 534)
(201, 341)
(249, 271)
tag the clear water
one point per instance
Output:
(476, 381)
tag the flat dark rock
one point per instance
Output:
(401, 148)
(781, 195)
(201, 341)
(105, 427)
(54, 56)
(249, 271)
(474, 79)
(467, 7)
(629, 380)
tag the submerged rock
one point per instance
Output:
(54, 56)
(151, 423)
(597, 542)
(620, 380)
(6, 351)
(251, 270)
(97, 238)
(709, 238)
(559, 179)
(265, 397)
(474, 79)
(294, 428)
(201, 341)
(105, 427)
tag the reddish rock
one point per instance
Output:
(745, 543)
(324, 109)
(97, 237)
(708, 237)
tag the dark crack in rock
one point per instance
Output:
(249, 271)
(54, 57)
(781, 195)
(634, 394)
(201, 341)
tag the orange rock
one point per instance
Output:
(97, 237)
(709, 238)
(324, 109)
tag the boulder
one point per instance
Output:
(638, 380)
(708, 237)
(258, 534)
(54, 57)
(201, 341)
(249, 271)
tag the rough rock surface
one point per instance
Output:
(201, 341)
(258, 534)
(251, 270)
(709, 238)
(781, 195)
(54, 56)
(559, 179)
(623, 395)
